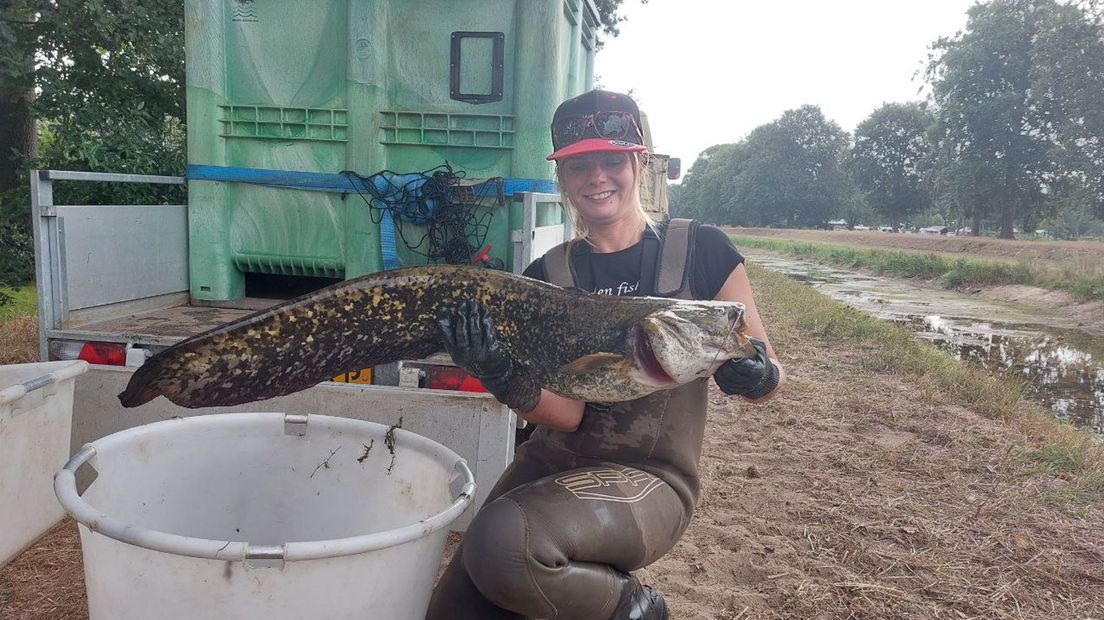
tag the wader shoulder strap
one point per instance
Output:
(557, 265)
(676, 254)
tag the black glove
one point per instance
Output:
(470, 337)
(751, 377)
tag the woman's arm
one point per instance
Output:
(738, 288)
(556, 412)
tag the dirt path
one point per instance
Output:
(854, 495)
(858, 495)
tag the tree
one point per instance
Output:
(707, 189)
(16, 90)
(787, 172)
(889, 160)
(1018, 106)
(793, 174)
(109, 76)
(110, 82)
(1069, 83)
(609, 15)
(1074, 218)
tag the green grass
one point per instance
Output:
(798, 312)
(1083, 281)
(22, 304)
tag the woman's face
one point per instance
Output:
(600, 186)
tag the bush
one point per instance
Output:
(16, 255)
(16, 242)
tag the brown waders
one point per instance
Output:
(576, 511)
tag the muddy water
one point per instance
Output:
(1062, 366)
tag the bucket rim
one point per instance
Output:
(53, 373)
(65, 488)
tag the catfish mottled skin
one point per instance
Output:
(390, 316)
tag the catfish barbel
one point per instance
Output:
(579, 345)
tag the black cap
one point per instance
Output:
(575, 126)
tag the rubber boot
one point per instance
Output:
(639, 602)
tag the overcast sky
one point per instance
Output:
(709, 71)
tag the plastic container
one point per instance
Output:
(36, 416)
(264, 515)
(364, 85)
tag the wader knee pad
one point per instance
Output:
(639, 602)
(495, 555)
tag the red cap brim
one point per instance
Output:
(596, 145)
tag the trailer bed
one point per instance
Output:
(165, 326)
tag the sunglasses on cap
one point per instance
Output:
(612, 125)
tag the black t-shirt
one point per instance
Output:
(618, 273)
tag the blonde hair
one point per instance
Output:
(640, 172)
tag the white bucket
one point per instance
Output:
(331, 533)
(36, 416)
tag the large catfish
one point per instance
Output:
(579, 345)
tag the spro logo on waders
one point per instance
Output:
(611, 485)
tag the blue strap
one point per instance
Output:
(308, 181)
(388, 249)
(325, 182)
(390, 188)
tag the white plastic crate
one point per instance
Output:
(36, 416)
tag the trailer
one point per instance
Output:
(113, 290)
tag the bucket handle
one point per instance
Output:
(65, 487)
(15, 392)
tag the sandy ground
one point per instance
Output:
(858, 496)
(855, 495)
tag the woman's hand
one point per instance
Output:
(738, 288)
(470, 337)
(751, 377)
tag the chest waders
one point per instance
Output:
(575, 512)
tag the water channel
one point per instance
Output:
(1063, 365)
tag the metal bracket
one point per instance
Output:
(264, 556)
(295, 425)
(410, 377)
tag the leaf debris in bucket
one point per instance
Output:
(389, 441)
(326, 462)
(367, 449)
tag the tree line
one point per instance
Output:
(1011, 135)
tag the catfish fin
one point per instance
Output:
(589, 363)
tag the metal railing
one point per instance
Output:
(51, 275)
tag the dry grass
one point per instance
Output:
(46, 580)
(19, 340)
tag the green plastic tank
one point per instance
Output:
(364, 85)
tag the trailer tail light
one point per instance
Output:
(109, 353)
(452, 378)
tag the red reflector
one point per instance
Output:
(110, 353)
(471, 384)
(452, 378)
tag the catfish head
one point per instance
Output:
(688, 340)
(673, 344)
